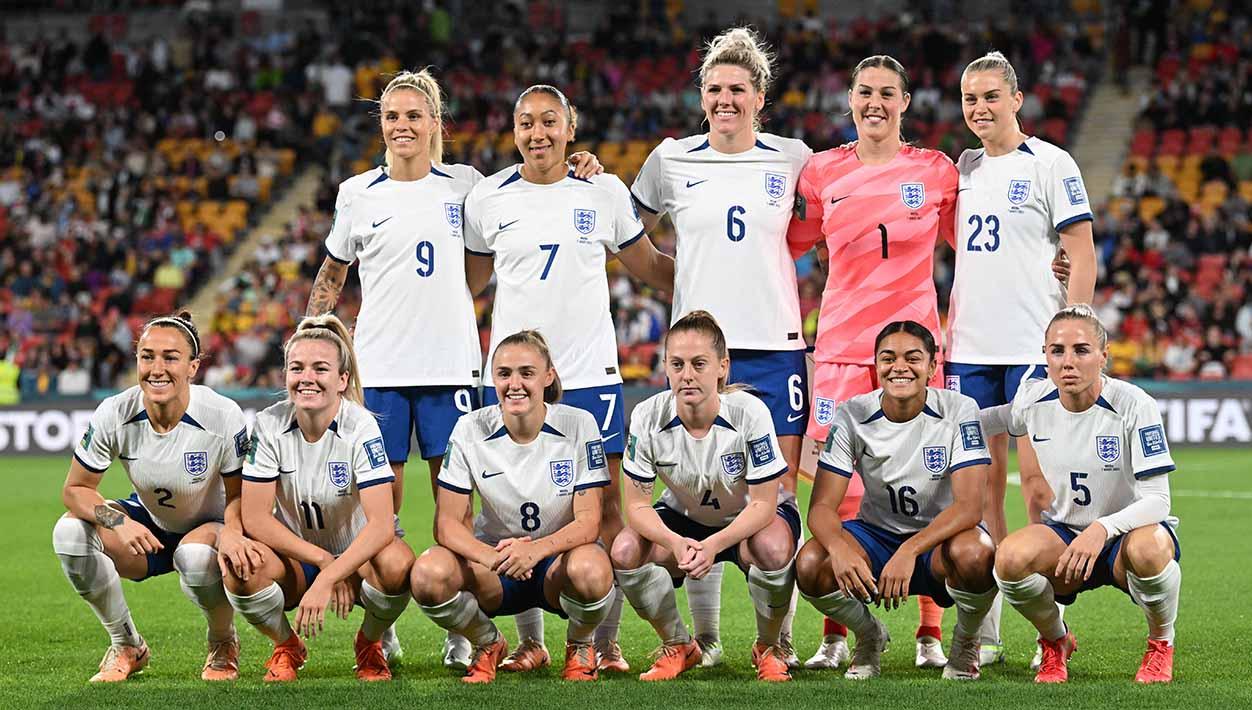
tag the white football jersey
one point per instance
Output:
(318, 493)
(548, 242)
(176, 474)
(1010, 211)
(906, 466)
(1092, 460)
(731, 213)
(416, 326)
(524, 489)
(705, 479)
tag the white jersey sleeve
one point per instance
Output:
(969, 446)
(840, 453)
(764, 460)
(591, 469)
(98, 446)
(233, 456)
(369, 458)
(1148, 448)
(455, 474)
(627, 228)
(638, 462)
(1066, 193)
(474, 230)
(650, 188)
(339, 243)
(262, 462)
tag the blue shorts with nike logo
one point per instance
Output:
(780, 378)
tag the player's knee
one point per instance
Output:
(431, 577)
(811, 565)
(197, 564)
(589, 572)
(771, 549)
(1014, 559)
(1147, 550)
(392, 567)
(972, 555)
(75, 538)
(627, 551)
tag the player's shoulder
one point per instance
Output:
(362, 181)
(862, 408)
(355, 420)
(501, 178)
(670, 147)
(571, 421)
(478, 425)
(742, 406)
(832, 157)
(949, 404)
(463, 177)
(1043, 151)
(1033, 392)
(274, 419)
(1125, 396)
(928, 157)
(215, 412)
(655, 412)
(120, 408)
(604, 182)
(970, 159)
(789, 146)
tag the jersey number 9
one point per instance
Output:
(425, 259)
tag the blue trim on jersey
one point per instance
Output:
(455, 489)
(767, 479)
(231, 474)
(378, 481)
(336, 259)
(827, 467)
(293, 426)
(641, 203)
(188, 418)
(575, 177)
(440, 173)
(593, 484)
(93, 469)
(479, 253)
(1084, 217)
(142, 416)
(762, 146)
(1159, 470)
(632, 240)
(1104, 403)
(641, 479)
(702, 146)
(672, 423)
(1025, 148)
(973, 462)
(551, 430)
(380, 178)
(876, 415)
(718, 421)
(256, 479)
(517, 175)
(927, 410)
(1054, 394)
(502, 431)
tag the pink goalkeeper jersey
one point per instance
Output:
(881, 223)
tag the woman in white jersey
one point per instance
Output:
(182, 446)
(1104, 458)
(730, 193)
(921, 453)
(715, 450)
(539, 470)
(545, 232)
(1021, 200)
(317, 494)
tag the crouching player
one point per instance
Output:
(1102, 449)
(716, 451)
(539, 469)
(330, 540)
(922, 455)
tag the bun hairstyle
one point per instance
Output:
(1082, 312)
(704, 323)
(180, 321)
(741, 47)
(423, 82)
(913, 328)
(328, 327)
(570, 113)
(994, 61)
(534, 339)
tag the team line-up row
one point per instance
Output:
(743, 203)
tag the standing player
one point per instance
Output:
(921, 454)
(317, 493)
(545, 232)
(182, 447)
(403, 222)
(730, 194)
(539, 469)
(716, 452)
(1021, 200)
(881, 205)
(1102, 450)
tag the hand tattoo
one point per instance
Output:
(107, 517)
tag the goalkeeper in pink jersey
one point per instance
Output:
(881, 205)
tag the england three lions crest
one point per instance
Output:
(935, 458)
(562, 472)
(585, 221)
(338, 471)
(1019, 191)
(824, 410)
(913, 194)
(452, 213)
(733, 464)
(196, 463)
(775, 185)
(1108, 448)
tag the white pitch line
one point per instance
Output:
(1015, 479)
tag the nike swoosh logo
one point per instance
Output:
(124, 457)
(610, 436)
(504, 226)
(486, 475)
(697, 182)
(1037, 440)
(794, 417)
(963, 189)
(379, 224)
(833, 200)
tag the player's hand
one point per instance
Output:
(311, 614)
(1060, 266)
(852, 574)
(137, 538)
(1078, 560)
(683, 549)
(518, 558)
(893, 583)
(342, 598)
(241, 555)
(585, 164)
(700, 560)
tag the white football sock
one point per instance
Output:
(462, 615)
(771, 596)
(606, 632)
(704, 598)
(94, 576)
(530, 625)
(1158, 597)
(264, 610)
(201, 580)
(1035, 599)
(850, 612)
(381, 610)
(971, 609)
(584, 617)
(650, 591)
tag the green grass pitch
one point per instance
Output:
(50, 642)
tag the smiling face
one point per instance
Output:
(407, 123)
(729, 100)
(164, 365)
(1075, 358)
(904, 366)
(315, 381)
(989, 105)
(520, 374)
(877, 100)
(693, 367)
(541, 130)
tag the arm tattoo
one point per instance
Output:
(645, 486)
(326, 287)
(107, 517)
